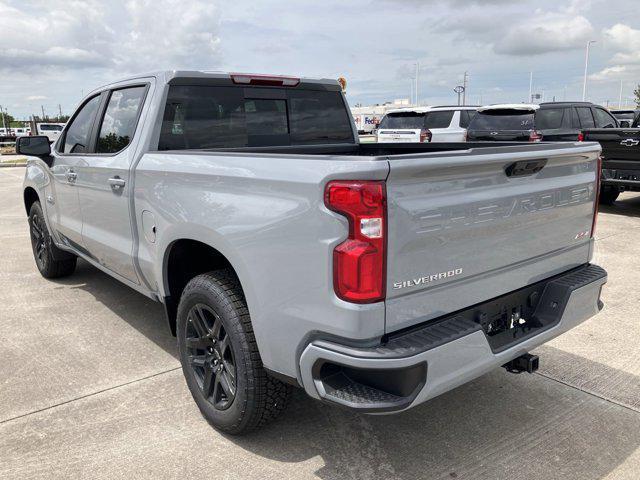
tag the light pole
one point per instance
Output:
(417, 82)
(586, 68)
(4, 127)
(620, 99)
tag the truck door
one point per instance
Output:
(69, 156)
(104, 183)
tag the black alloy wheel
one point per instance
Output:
(210, 356)
(51, 261)
(39, 241)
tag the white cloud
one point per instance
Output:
(544, 33)
(626, 41)
(64, 49)
(31, 98)
(623, 37)
(625, 61)
(120, 36)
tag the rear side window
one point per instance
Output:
(400, 120)
(585, 116)
(438, 119)
(465, 117)
(502, 119)
(120, 118)
(549, 118)
(200, 117)
(604, 119)
(78, 134)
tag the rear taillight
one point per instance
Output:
(581, 137)
(265, 80)
(535, 136)
(425, 135)
(359, 262)
(595, 208)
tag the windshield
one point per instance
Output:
(502, 120)
(411, 120)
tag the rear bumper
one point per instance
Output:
(423, 363)
(623, 179)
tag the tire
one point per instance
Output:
(50, 260)
(220, 358)
(608, 195)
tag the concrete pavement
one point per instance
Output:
(90, 387)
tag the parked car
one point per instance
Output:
(625, 117)
(620, 159)
(552, 121)
(286, 253)
(50, 130)
(425, 124)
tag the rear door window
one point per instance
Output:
(549, 118)
(585, 116)
(502, 119)
(438, 119)
(120, 119)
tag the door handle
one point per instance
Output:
(525, 167)
(72, 176)
(116, 183)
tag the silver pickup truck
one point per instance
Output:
(373, 276)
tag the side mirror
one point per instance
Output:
(38, 146)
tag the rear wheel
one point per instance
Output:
(50, 260)
(220, 358)
(608, 195)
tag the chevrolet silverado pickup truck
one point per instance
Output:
(620, 159)
(285, 253)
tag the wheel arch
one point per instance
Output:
(30, 196)
(183, 259)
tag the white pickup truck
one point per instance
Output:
(373, 276)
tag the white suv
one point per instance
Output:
(426, 124)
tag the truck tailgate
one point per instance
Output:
(620, 147)
(468, 226)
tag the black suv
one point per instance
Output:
(551, 121)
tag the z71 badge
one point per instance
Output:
(427, 279)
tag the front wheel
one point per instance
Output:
(220, 358)
(50, 260)
(608, 195)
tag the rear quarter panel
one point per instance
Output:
(266, 215)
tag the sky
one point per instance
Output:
(54, 53)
